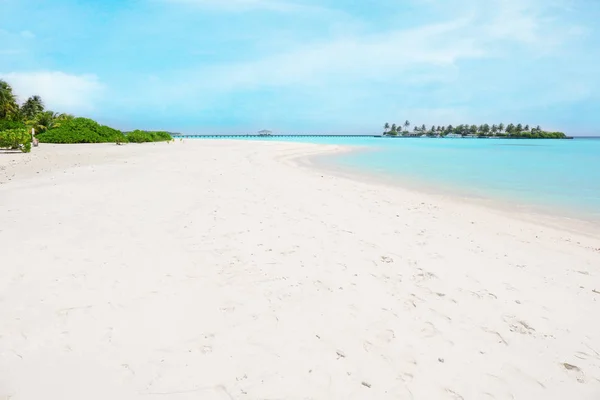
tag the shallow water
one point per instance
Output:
(549, 173)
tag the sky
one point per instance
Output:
(307, 66)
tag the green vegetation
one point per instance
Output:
(138, 136)
(482, 131)
(47, 120)
(6, 125)
(32, 107)
(16, 139)
(9, 108)
(52, 127)
(80, 130)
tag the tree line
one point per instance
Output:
(31, 113)
(16, 121)
(485, 130)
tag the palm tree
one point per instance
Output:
(8, 101)
(406, 125)
(394, 129)
(33, 106)
(526, 129)
(510, 128)
(501, 127)
(386, 127)
(423, 128)
(519, 128)
(65, 117)
(494, 129)
(45, 121)
(485, 129)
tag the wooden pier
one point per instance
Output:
(269, 136)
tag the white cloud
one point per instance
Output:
(367, 74)
(397, 56)
(351, 60)
(60, 91)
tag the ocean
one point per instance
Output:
(561, 174)
(552, 174)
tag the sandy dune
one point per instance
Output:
(231, 270)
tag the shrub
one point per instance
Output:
(553, 135)
(539, 135)
(81, 130)
(6, 125)
(16, 139)
(144, 136)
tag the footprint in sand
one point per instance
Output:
(413, 301)
(485, 293)
(574, 372)
(423, 276)
(407, 366)
(518, 326)
(429, 330)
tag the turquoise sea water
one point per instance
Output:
(549, 173)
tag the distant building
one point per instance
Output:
(265, 132)
(453, 135)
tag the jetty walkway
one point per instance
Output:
(269, 136)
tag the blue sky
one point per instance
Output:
(305, 65)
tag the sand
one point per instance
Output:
(241, 270)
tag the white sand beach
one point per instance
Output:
(238, 270)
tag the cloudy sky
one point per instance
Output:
(307, 65)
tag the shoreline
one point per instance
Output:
(319, 158)
(557, 217)
(169, 269)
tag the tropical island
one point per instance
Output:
(22, 125)
(471, 131)
(30, 122)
